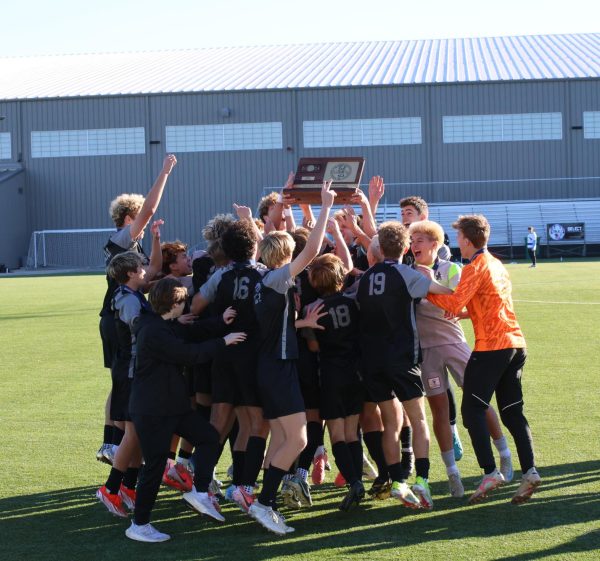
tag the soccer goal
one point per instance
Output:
(68, 249)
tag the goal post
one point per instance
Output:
(72, 249)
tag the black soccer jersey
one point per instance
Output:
(276, 314)
(203, 267)
(338, 342)
(386, 297)
(234, 286)
(305, 290)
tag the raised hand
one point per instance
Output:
(169, 163)
(333, 227)
(359, 198)
(312, 316)
(229, 315)
(376, 188)
(290, 181)
(327, 195)
(234, 338)
(155, 228)
(243, 212)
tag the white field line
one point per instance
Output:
(556, 302)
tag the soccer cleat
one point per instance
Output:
(215, 488)
(202, 503)
(301, 490)
(127, 496)
(318, 471)
(146, 533)
(178, 477)
(457, 489)
(457, 446)
(529, 483)
(229, 493)
(113, 503)
(339, 480)
(243, 499)
(290, 499)
(369, 471)
(355, 494)
(380, 490)
(100, 454)
(489, 482)
(423, 493)
(288, 529)
(108, 453)
(215, 500)
(506, 468)
(404, 494)
(269, 519)
(230, 472)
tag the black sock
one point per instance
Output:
(344, 462)
(183, 454)
(373, 442)
(117, 435)
(273, 477)
(255, 454)
(356, 451)
(204, 411)
(313, 435)
(406, 437)
(396, 472)
(451, 406)
(171, 455)
(406, 452)
(321, 439)
(107, 434)
(232, 436)
(422, 467)
(130, 478)
(238, 466)
(113, 483)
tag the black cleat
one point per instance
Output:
(355, 494)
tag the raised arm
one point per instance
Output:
(313, 244)
(155, 265)
(245, 213)
(376, 192)
(152, 198)
(368, 222)
(341, 249)
(350, 221)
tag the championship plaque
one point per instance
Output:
(345, 174)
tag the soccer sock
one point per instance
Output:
(356, 451)
(422, 467)
(374, 446)
(502, 447)
(238, 466)
(406, 452)
(107, 434)
(232, 436)
(113, 483)
(449, 461)
(302, 474)
(406, 439)
(451, 406)
(273, 478)
(396, 472)
(255, 454)
(184, 458)
(344, 462)
(313, 435)
(117, 435)
(130, 478)
(171, 455)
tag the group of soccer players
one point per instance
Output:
(277, 332)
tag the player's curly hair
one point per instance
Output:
(266, 203)
(212, 233)
(170, 251)
(393, 239)
(276, 248)
(475, 228)
(127, 204)
(327, 274)
(239, 241)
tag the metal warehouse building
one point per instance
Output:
(459, 122)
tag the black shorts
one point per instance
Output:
(279, 387)
(108, 334)
(234, 377)
(121, 388)
(342, 393)
(308, 374)
(401, 379)
(188, 374)
(202, 382)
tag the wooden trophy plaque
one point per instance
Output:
(308, 181)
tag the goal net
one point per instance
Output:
(68, 249)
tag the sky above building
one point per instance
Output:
(33, 27)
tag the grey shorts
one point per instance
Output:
(438, 361)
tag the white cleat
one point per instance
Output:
(269, 519)
(203, 503)
(146, 533)
(506, 468)
(455, 484)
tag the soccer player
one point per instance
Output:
(390, 355)
(496, 363)
(130, 214)
(444, 349)
(532, 246)
(160, 405)
(341, 396)
(177, 263)
(279, 388)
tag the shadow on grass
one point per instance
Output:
(71, 524)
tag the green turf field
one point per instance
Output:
(52, 391)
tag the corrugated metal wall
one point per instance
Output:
(75, 192)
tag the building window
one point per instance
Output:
(591, 124)
(91, 142)
(5, 149)
(502, 128)
(216, 138)
(362, 132)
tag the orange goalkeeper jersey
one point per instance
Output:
(485, 290)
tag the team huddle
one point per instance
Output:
(278, 331)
